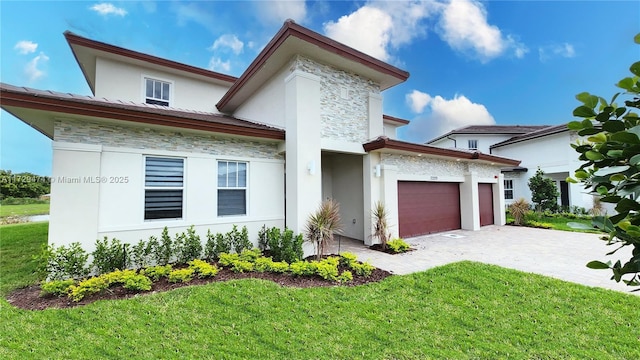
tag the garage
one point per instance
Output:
(485, 198)
(427, 207)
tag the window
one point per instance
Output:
(473, 144)
(508, 189)
(157, 92)
(163, 188)
(232, 188)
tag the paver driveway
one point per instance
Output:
(559, 254)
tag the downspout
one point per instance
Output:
(455, 144)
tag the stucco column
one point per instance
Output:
(390, 197)
(376, 127)
(303, 155)
(470, 202)
(75, 194)
(499, 216)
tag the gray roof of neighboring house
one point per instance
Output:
(549, 130)
(492, 129)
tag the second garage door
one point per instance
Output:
(427, 207)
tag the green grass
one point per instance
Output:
(559, 222)
(18, 243)
(464, 310)
(24, 210)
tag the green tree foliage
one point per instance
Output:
(611, 166)
(23, 185)
(544, 192)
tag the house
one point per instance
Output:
(545, 147)
(162, 143)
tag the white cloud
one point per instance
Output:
(32, 68)
(564, 50)
(108, 9)
(444, 115)
(464, 26)
(228, 41)
(418, 101)
(192, 12)
(276, 12)
(26, 47)
(216, 64)
(368, 29)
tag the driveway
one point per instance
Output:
(558, 254)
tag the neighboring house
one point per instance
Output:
(166, 144)
(545, 147)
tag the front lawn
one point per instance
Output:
(558, 222)
(24, 210)
(463, 310)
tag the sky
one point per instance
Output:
(471, 62)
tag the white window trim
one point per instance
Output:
(508, 188)
(143, 91)
(245, 188)
(469, 144)
(184, 188)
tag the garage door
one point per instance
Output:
(485, 195)
(427, 207)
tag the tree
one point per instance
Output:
(544, 192)
(322, 225)
(23, 185)
(611, 167)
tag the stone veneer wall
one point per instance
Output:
(137, 137)
(419, 165)
(342, 119)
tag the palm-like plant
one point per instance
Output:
(518, 210)
(322, 225)
(381, 224)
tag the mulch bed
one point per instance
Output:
(29, 297)
(378, 247)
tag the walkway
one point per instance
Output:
(557, 254)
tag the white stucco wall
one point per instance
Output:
(462, 141)
(114, 206)
(554, 155)
(121, 81)
(267, 105)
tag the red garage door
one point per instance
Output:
(485, 195)
(427, 207)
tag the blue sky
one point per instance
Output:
(471, 62)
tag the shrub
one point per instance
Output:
(250, 254)
(56, 287)
(363, 269)
(141, 253)
(86, 287)
(239, 239)
(190, 247)
(137, 282)
(266, 264)
(284, 246)
(263, 238)
(540, 225)
(109, 256)
(328, 268)
(346, 276)
(223, 243)
(398, 245)
(156, 272)
(347, 258)
(203, 268)
(322, 225)
(178, 244)
(518, 210)
(241, 266)
(181, 275)
(210, 247)
(228, 259)
(303, 268)
(381, 224)
(164, 251)
(65, 262)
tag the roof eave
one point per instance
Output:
(30, 101)
(382, 143)
(291, 29)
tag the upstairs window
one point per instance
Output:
(508, 189)
(163, 188)
(232, 188)
(473, 144)
(157, 92)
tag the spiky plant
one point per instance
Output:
(322, 225)
(518, 210)
(598, 207)
(381, 224)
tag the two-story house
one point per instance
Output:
(162, 143)
(545, 147)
